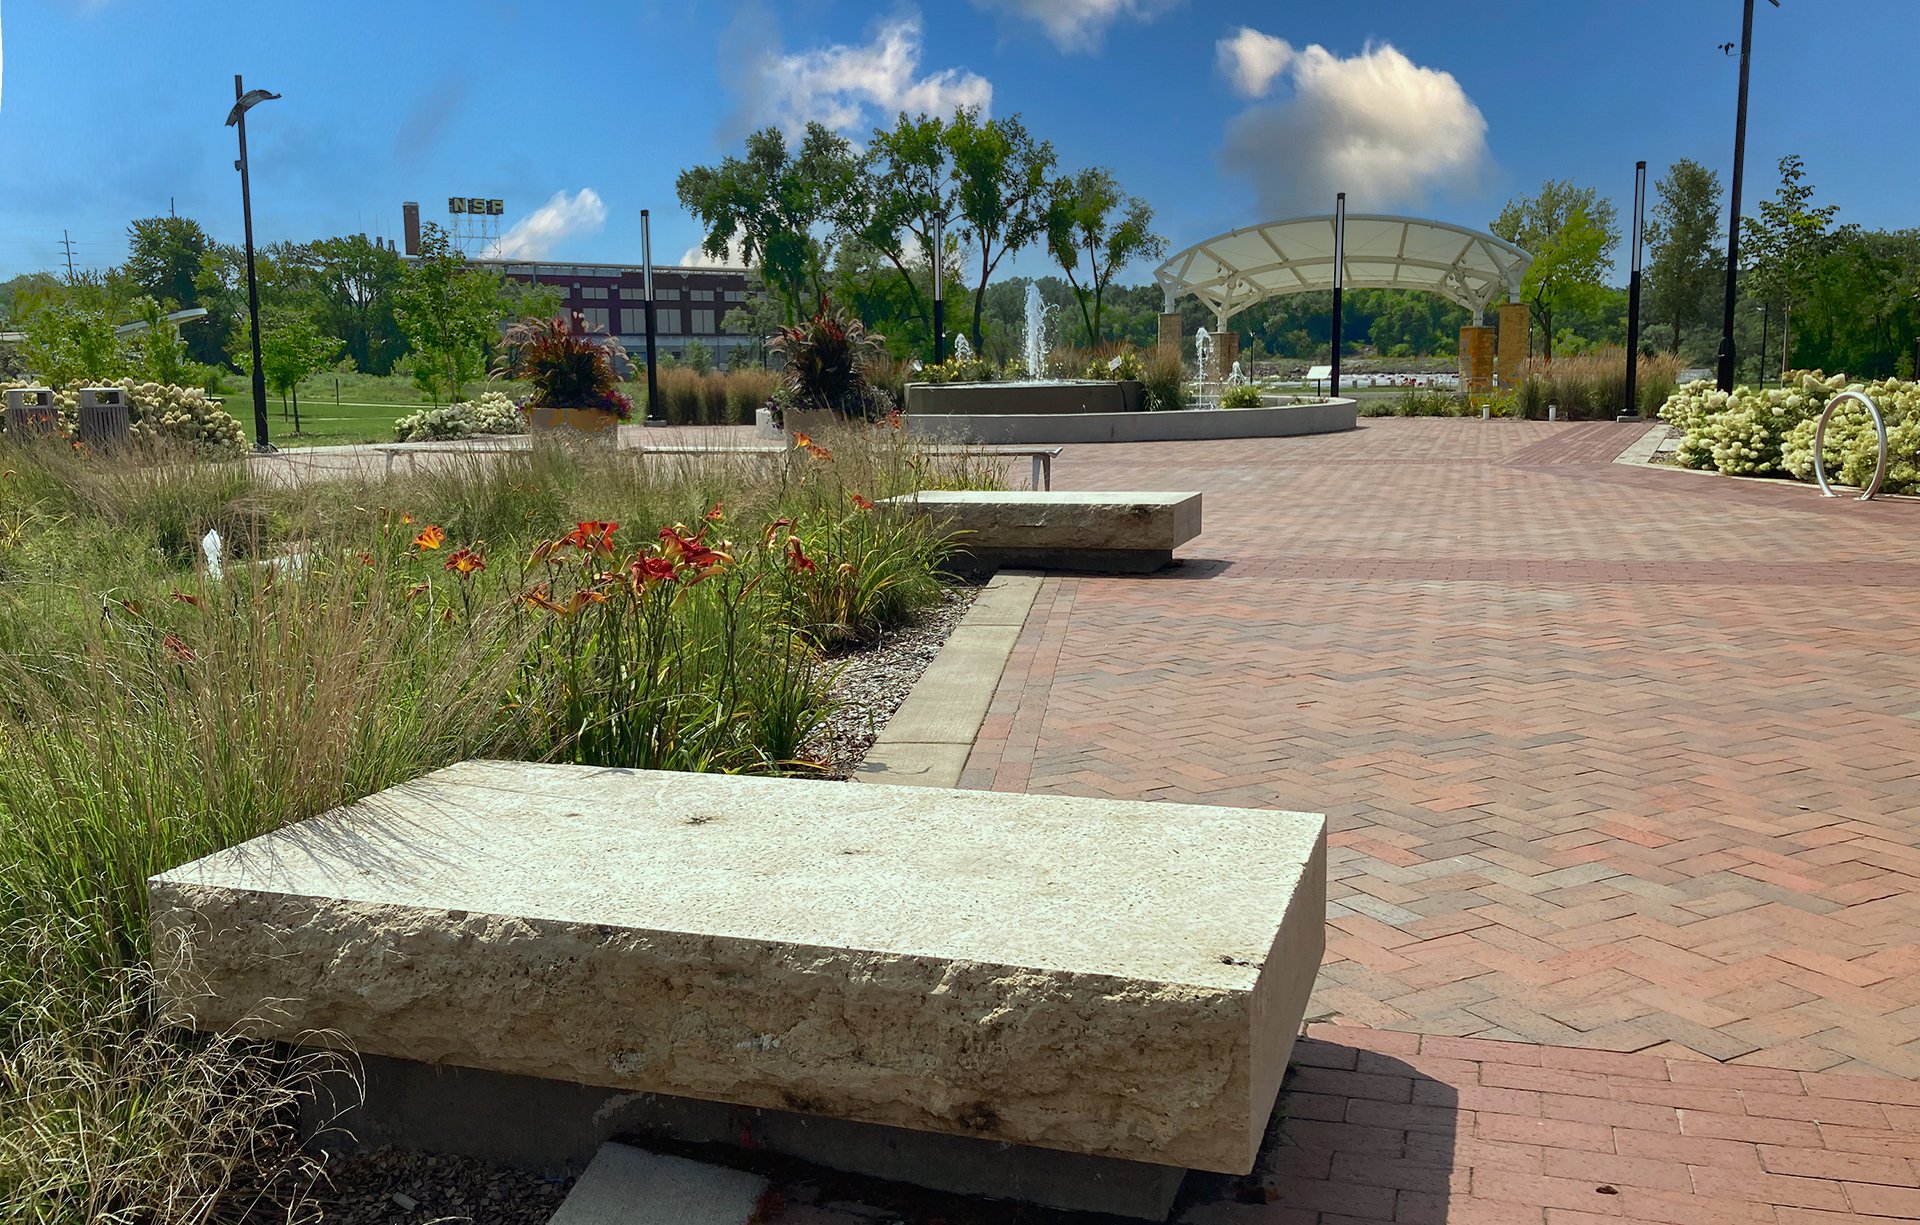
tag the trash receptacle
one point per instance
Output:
(105, 419)
(31, 410)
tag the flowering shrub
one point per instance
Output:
(967, 369)
(1852, 447)
(1241, 395)
(184, 415)
(1742, 433)
(491, 413)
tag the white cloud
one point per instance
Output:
(1079, 25)
(848, 86)
(1376, 125)
(1251, 60)
(696, 257)
(535, 235)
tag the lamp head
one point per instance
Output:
(253, 98)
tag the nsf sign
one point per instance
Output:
(477, 205)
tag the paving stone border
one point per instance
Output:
(926, 742)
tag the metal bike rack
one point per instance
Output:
(1820, 438)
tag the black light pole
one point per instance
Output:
(1733, 202)
(237, 117)
(1632, 412)
(646, 283)
(1339, 279)
(1766, 309)
(939, 294)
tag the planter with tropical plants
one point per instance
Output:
(572, 369)
(824, 382)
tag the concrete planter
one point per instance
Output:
(1025, 399)
(814, 422)
(594, 425)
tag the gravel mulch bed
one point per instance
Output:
(872, 684)
(390, 1187)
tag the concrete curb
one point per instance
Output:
(1644, 448)
(630, 1186)
(926, 742)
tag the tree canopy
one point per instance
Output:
(1570, 231)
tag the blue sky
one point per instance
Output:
(109, 108)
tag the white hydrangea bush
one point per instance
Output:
(1853, 447)
(492, 413)
(185, 415)
(1742, 433)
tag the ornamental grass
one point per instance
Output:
(543, 604)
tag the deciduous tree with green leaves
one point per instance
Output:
(1684, 264)
(451, 313)
(1568, 230)
(776, 205)
(1001, 172)
(1785, 245)
(1093, 229)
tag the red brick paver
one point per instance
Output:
(1613, 758)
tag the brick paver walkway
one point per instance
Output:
(1614, 758)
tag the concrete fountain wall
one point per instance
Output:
(987, 413)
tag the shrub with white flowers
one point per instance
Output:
(1766, 432)
(491, 413)
(185, 415)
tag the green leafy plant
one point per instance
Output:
(568, 364)
(825, 356)
(1241, 395)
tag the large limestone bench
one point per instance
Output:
(1098, 977)
(1060, 529)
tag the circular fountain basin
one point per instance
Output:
(984, 418)
(1026, 398)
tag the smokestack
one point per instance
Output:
(410, 226)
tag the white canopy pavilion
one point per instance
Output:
(1232, 271)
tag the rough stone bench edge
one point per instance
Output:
(961, 694)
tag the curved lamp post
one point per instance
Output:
(237, 117)
(1725, 363)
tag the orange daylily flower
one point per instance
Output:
(405, 519)
(774, 528)
(595, 536)
(181, 597)
(584, 597)
(802, 442)
(541, 597)
(465, 562)
(366, 559)
(687, 550)
(178, 646)
(431, 537)
(860, 502)
(714, 514)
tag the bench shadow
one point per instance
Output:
(1356, 1134)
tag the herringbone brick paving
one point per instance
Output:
(1613, 758)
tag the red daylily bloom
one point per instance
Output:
(178, 646)
(430, 537)
(714, 514)
(584, 597)
(366, 559)
(774, 528)
(542, 597)
(181, 597)
(595, 536)
(797, 558)
(860, 502)
(687, 550)
(465, 562)
(405, 519)
(650, 570)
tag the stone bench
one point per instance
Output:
(1122, 979)
(1092, 530)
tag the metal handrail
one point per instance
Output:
(1820, 438)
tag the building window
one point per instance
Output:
(628, 294)
(596, 293)
(633, 321)
(667, 321)
(596, 316)
(703, 323)
(667, 295)
(736, 295)
(702, 295)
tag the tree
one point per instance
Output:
(1684, 265)
(168, 261)
(14, 291)
(1001, 173)
(1568, 230)
(451, 314)
(1092, 230)
(355, 286)
(905, 181)
(71, 332)
(292, 350)
(1786, 243)
(775, 205)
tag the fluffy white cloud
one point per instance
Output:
(696, 257)
(1078, 25)
(1251, 60)
(847, 86)
(1376, 125)
(535, 235)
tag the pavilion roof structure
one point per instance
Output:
(1232, 271)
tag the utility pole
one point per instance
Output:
(66, 241)
(654, 412)
(1733, 202)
